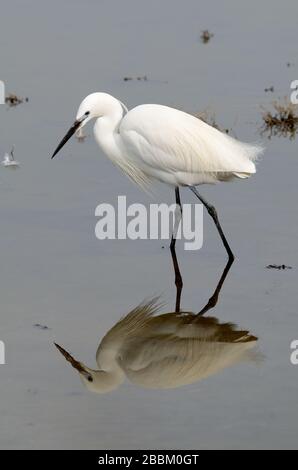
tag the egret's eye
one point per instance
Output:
(90, 379)
(87, 113)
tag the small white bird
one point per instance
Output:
(9, 160)
(164, 351)
(157, 142)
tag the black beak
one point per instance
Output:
(75, 364)
(70, 133)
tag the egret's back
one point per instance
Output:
(178, 148)
(170, 350)
(183, 362)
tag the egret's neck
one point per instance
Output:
(106, 130)
(105, 381)
(110, 375)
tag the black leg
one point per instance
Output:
(178, 203)
(214, 298)
(212, 211)
(178, 277)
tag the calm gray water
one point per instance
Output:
(54, 271)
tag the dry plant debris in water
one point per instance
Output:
(206, 36)
(13, 100)
(281, 120)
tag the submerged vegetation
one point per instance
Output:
(278, 266)
(206, 36)
(281, 121)
(143, 78)
(13, 100)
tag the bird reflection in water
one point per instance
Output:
(166, 350)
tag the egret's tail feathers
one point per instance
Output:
(243, 175)
(251, 154)
(254, 355)
(137, 318)
(253, 151)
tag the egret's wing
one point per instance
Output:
(168, 139)
(173, 363)
(132, 325)
(195, 349)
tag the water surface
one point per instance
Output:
(55, 273)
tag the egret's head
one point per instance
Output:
(94, 380)
(93, 106)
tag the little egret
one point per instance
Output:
(9, 160)
(163, 351)
(166, 350)
(157, 142)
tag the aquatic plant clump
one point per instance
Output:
(282, 121)
(13, 100)
(206, 36)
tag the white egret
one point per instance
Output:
(9, 160)
(164, 351)
(157, 142)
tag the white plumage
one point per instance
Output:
(180, 149)
(155, 142)
(164, 351)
